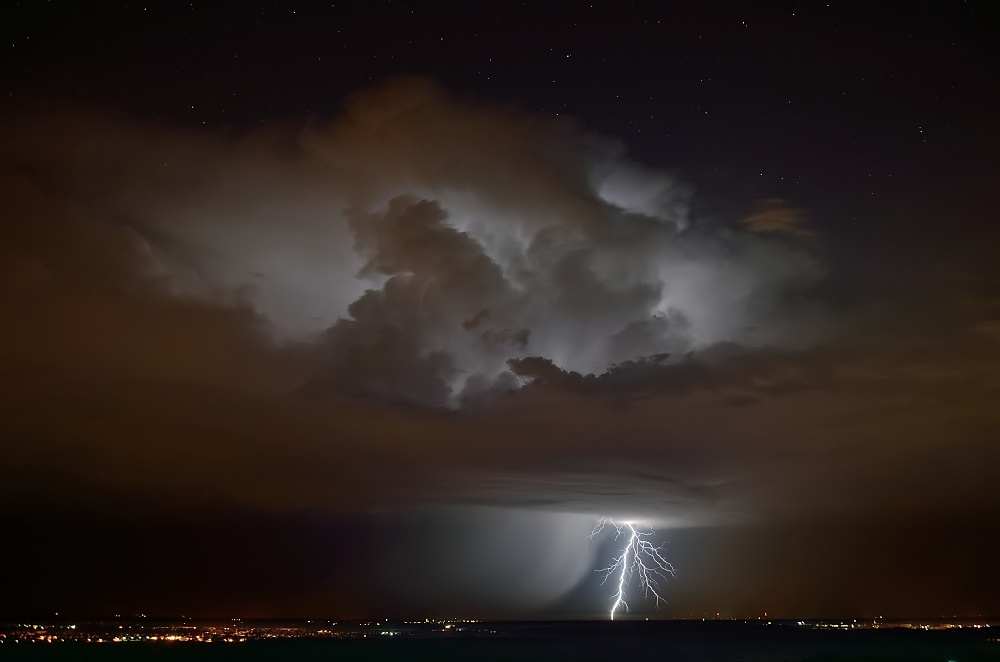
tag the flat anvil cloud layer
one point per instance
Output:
(432, 248)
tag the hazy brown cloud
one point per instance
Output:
(775, 215)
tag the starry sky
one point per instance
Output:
(375, 309)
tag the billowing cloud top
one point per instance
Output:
(433, 247)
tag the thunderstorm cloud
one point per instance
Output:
(427, 248)
(429, 302)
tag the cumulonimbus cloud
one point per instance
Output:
(496, 237)
(429, 248)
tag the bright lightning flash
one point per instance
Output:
(639, 557)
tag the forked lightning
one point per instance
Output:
(639, 557)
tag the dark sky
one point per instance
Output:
(375, 309)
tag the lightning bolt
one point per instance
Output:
(640, 557)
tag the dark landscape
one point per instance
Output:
(760, 641)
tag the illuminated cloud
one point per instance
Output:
(423, 242)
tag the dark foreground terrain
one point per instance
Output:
(752, 641)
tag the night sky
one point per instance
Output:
(375, 309)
